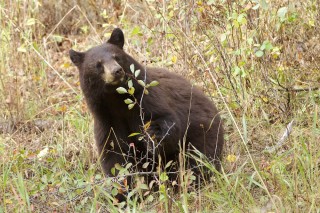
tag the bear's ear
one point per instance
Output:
(76, 57)
(117, 38)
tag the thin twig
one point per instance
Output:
(283, 138)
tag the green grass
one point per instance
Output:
(258, 62)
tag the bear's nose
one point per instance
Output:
(118, 71)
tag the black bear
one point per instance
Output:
(168, 115)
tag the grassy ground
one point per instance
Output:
(258, 60)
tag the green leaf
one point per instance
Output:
(128, 165)
(131, 91)
(132, 68)
(141, 82)
(162, 189)
(130, 84)
(114, 191)
(113, 171)
(168, 164)
(282, 13)
(237, 70)
(136, 73)
(31, 21)
(192, 177)
(44, 179)
(266, 45)
(62, 190)
(223, 37)
(210, 2)
(36, 46)
(116, 183)
(242, 19)
(259, 53)
(150, 198)
(256, 7)
(22, 49)
(130, 106)
(145, 165)
(150, 41)
(134, 134)
(128, 101)
(121, 90)
(154, 83)
(57, 38)
(136, 31)
(118, 166)
(144, 186)
(264, 4)
(269, 46)
(163, 176)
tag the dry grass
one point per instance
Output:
(259, 64)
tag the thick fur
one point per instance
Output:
(178, 111)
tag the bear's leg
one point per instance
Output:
(165, 134)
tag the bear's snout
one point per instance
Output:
(113, 73)
(118, 72)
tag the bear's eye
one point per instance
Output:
(115, 57)
(99, 65)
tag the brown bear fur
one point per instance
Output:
(178, 111)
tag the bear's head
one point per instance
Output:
(103, 68)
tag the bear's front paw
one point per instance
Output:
(154, 133)
(153, 137)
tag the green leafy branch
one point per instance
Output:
(131, 102)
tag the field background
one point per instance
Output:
(258, 60)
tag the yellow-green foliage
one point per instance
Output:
(258, 60)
